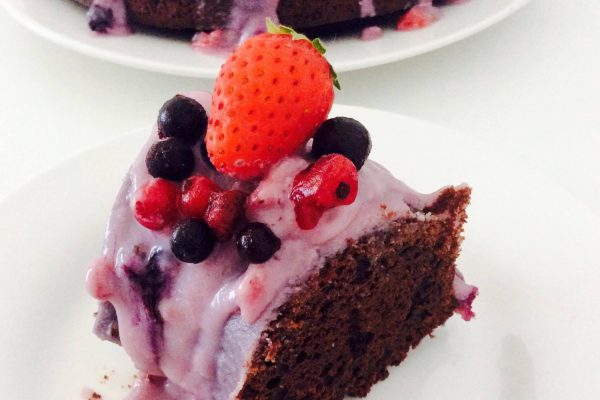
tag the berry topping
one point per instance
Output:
(257, 243)
(308, 214)
(170, 159)
(330, 182)
(100, 19)
(192, 240)
(420, 16)
(195, 194)
(183, 118)
(223, 212)
(270, 97)
(155, 204)
(344, 136)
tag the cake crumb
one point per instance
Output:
(95, 396)
(387, 214)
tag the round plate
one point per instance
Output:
(530, 247)
(63, 22)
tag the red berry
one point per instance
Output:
(418, 17)
(271, 95)
(330, 182)
(308, 214)
(155, 204)
(223, 212)
(195, 194)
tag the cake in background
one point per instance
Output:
(222, 25)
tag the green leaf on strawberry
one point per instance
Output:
(275, 29)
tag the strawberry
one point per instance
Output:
(155, 204)
(330, 182)
(195, 195)
(271, 95)
(419, 16)
(224, 210)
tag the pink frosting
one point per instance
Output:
(465, 294)
(371, 33)
(367, 8)
(213, 312)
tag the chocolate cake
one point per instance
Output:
(364, 309)
(255, 252)
(208, 15)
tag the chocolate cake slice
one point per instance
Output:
(364, 309)
(255, 252)
(348, 304)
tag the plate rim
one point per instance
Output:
(208, 73)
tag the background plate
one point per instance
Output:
(63, 22)
(530, 247)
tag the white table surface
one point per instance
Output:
(529, 85)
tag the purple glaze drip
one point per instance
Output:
(367, 8)
(150, 283)
(108, 17)
(465, 294)
(107, 325)
(246, 19)
(371, 33)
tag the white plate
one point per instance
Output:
(64, 22)
(530, 247)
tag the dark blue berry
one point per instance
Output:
(183, 118)
(257, 243)
(345, 136)
(100, 19)
(170, 159)
(192, 240)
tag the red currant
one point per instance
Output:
(195, 195)
(330, 182)
(223, 212)
(155, 204)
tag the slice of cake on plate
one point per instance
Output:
(255, 252)
(224, 24)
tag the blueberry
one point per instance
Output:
(344, 136)
(100, 19)
(183, 118)
(170, 159)
(192, 240)
(257, 243)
